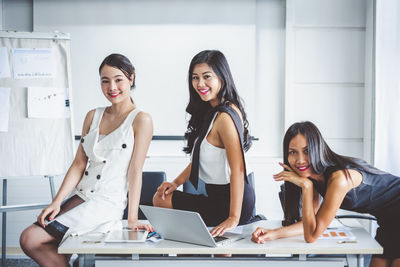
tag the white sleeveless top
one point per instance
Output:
(213, 163)
(104, 184)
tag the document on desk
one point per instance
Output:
(338, 233)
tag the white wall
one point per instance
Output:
(369, 97)
(16, 15)
(1, 14)
(160, 38)
(274, 81)
(387, 92)
(325, 69)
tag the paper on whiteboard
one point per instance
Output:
(4, 63)
(32, 63)
(47, 102)
(4, 108)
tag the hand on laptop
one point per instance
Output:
(226, 225)
(135, 225)
(166, 188)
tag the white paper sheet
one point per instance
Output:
(47, 102)
(4, 108)
(4, 63)
(31, 63)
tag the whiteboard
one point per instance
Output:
(36, 146)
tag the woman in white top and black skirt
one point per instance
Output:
(217, 136)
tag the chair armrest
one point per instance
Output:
(366, 217)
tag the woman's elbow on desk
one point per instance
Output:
(311, 238)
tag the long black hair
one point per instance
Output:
(322, 160)
(122, 63)
(198, 108)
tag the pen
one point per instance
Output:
(152, 233)
(130, 229)
(346, 241)
(91, 241)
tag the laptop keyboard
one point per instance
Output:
(219, 238)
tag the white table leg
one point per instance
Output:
(86, 260)
(360, 260)
(302, 257)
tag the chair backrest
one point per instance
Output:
(189, 188)
(150, 182)
(201, 189)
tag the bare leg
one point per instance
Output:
(379, 262)
(163, 203)
(395, 263)
(42, 247)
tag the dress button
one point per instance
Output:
(81, 190)
(86, 173)
(91, 191)
(82, 140)
(98, 177)
(123, 145)
(104, 161)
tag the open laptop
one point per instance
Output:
(184, 226)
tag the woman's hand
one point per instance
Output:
(52, 210)
(166, 188)
(135, 225)
(291, 176)
(226, 225)
(260, 235)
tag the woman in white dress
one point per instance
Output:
(107, 165)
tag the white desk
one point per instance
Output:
(274, 252)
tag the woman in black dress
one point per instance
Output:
(311, 170)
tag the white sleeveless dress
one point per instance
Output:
(104, 184)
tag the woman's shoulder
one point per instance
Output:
(88, 121)
(89, 116)
(235, 108)
(347, 177)
(92, 112)
(224, 124)
(142, 119)
(225, 117)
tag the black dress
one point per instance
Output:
(379, 195)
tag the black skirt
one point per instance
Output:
(388, 236)
(214, 208)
